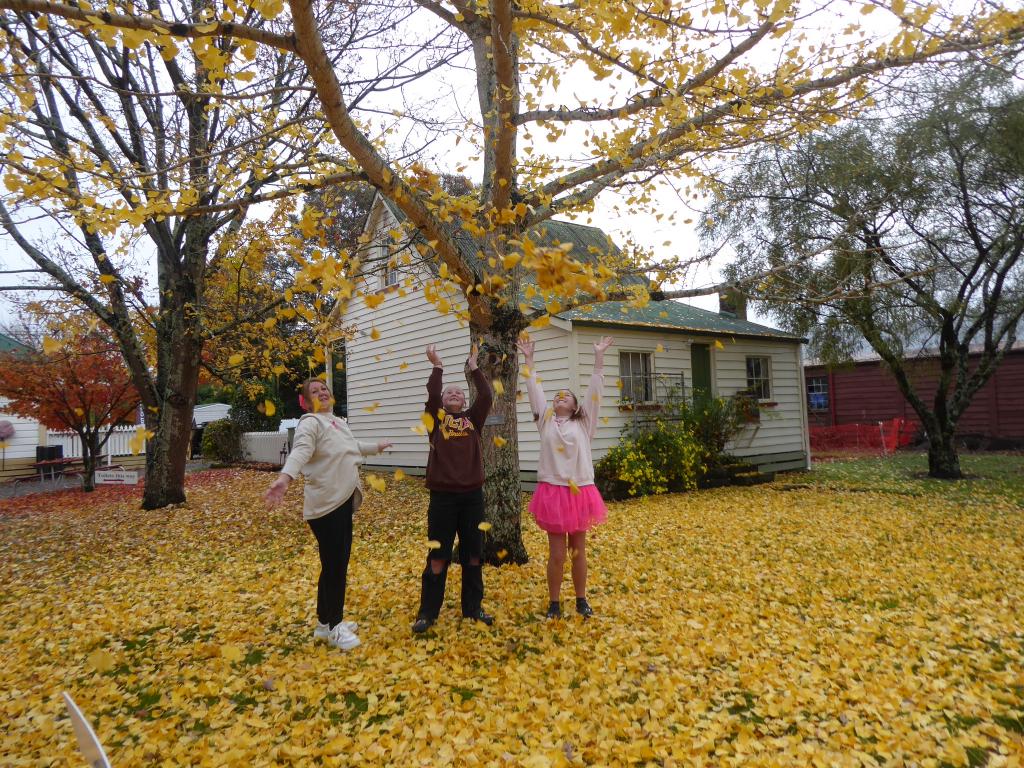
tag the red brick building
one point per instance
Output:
(865, 392)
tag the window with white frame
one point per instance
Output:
(817, 393)
(635, 374)
(759, 378)
(388, 268)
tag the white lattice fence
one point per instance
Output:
(269, 447)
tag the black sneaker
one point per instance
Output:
(554, 610)
(479, 615)
(422, 624)
(583, 608)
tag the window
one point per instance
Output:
(758, 378)
(635, 373)
(817, 393)
(390, 275)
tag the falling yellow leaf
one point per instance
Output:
(374, 334)
(100, 660)
(51, 345)
(403, 366)
(236, 359)
(399, 474)
(719, 345)
(659, 348)
(485, 526)
(371, 408)
(433, 544)
(107, 279)
(573, 488)
(499, 441)
(374, 300)
(269, 409)
(428, 421)
(377, 483)
(502, 554)
(499, 388)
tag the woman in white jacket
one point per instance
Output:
(328, 455)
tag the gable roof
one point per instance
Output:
(589, 244)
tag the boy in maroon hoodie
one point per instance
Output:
(455, 479)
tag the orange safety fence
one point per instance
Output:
(884, 436)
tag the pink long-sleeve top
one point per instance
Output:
(565, 444)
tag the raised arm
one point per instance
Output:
(484, 394)
(538, 402)
(592, 398)
(433, 404)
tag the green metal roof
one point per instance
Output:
(7, 344)
(673, 316)
(589, 245)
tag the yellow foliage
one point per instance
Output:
(788, 624)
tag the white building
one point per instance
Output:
(661, 350)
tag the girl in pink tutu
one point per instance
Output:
(566, 503)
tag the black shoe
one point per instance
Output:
(554, 610)
(479, 615)
(422, 624)
(583, 608)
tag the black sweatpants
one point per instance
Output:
(333, 534)
(452, 513)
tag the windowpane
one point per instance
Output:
(635, 373)
(817, 393)
(758, 375)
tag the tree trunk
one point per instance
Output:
(167, 451)
(943, 460)
(503, 496)
(90, 448)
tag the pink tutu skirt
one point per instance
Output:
(558, 509)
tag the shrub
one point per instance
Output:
(660, 457)
(247, 411)
(222, 441)
(713, 422)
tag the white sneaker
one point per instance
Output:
(342, 637)
(322, 631)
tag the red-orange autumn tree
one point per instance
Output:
(84, 387)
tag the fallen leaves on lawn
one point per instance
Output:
(753, 626)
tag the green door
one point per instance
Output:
(700, 367)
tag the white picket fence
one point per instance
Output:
(269, 447)
(118, 444)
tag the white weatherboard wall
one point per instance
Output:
(28, 433)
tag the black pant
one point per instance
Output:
(333, 534)
(452, 513)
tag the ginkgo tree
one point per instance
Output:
(570, 102)
(143, 154)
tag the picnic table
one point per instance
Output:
(54, 468)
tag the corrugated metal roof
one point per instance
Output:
(673, 316)
(589, 245)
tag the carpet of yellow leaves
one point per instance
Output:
(767, 626)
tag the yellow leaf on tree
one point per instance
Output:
(51, 345)
(105, 279)
(374, 300)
